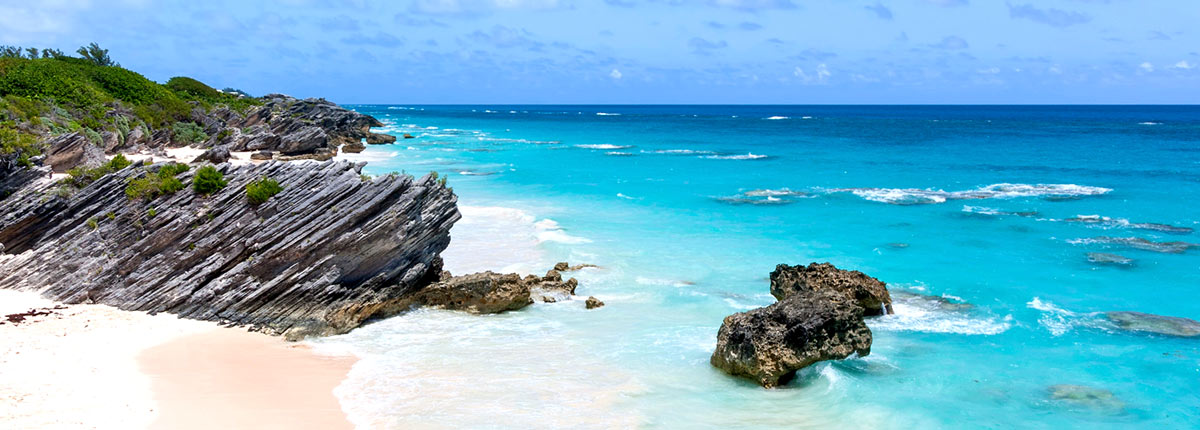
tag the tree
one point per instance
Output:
(10, 51)
(96, 55)
(52, 53)
(32, 53)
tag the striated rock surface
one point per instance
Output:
(67, 151)
(768, 345)
(320, 257)
(870, 293)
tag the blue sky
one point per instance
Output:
(651, 51)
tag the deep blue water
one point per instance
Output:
(687, 209)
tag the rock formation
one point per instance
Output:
(326, 253)
(870, 293)
(1157, 324)
(488, 292)
(819, 316)
(768, 345)
(593, 303)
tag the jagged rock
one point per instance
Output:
(481, 293)
(489, 292)
(136, 137)
(67, 151)
(870, 293)
(380, 139)
(1109, 259)
(215, 155)
(111, 142)
(593, 303)
(262, 155)
(305, 140)
(768, 345)
(1096, 399)
(563, 266)
(408, 136)
(1158, 324)
(318, 258)
(354, 147)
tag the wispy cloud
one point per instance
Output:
(819, 76)
(702, 46)
(1051, 16)
(951, 42)
(880, 11)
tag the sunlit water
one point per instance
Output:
(688, 209)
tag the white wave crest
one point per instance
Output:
(679, 152)
(607, 114)
(913, 316)
(747, 156)
(604, 146)
(916, 196)
(776, 118)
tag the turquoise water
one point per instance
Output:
(670, 202)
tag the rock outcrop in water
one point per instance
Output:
(329, 251)
(819, 316)
(768, 345)
(488, 292)
(868, 292)
(1157, 324)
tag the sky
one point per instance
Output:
(650, 51)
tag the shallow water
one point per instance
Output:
(688, 209)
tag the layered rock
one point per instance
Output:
(868, 292)
(66, 151)
(768, 345)
(320, 257)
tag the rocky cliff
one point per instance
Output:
(330, 250)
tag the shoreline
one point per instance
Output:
(96, 366)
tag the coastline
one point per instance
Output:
(95, 366)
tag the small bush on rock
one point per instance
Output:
(189, 132)
(261, 190)
(208, 180)
(161, 183)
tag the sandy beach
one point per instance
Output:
(97, 367)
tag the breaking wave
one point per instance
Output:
(604, 146)
(916, 196)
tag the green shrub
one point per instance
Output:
(261, 190)
(24, 145)
(152, 212)
(92, 223)
(82, 176)
(208, 180)
(189, 132)
(161, 183)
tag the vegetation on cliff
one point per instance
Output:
(46, 93)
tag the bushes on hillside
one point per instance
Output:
(189, 132)
(261, 190)
(161, 183)
(81, 176)
(208, 180)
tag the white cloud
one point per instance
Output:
(820, 76)
(1147, 67)
(1054, 70)
(1183, 65)
(615, 74)
(989, 71)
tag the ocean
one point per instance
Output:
(979, 218)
